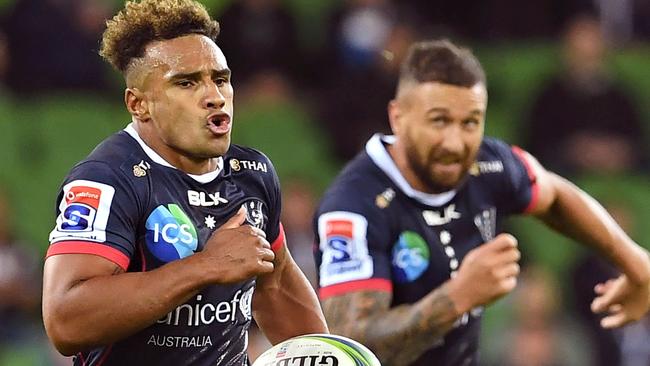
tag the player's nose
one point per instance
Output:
(452, 140)
(213, 98)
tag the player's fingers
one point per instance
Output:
(508, 256)
(615, 308)
(610, 296)
(614, 320)
(509, 270)
(258, 232)
(601, 288)
(605, 302)
(600, 304)
(268, 255)
(508, 284)
(501, 242)
(266, 267)
(236, 220)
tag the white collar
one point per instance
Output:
(379, 155)
(202, 178)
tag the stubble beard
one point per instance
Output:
(425, 174)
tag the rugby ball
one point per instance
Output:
(317, 350)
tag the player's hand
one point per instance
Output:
(237, 251)
(622, 301)
(486, 273)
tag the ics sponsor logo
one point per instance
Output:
(410, 257)
(170, 233)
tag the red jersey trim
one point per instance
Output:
(279, 241)
(372, 284)
(534, 197)
(85, 247)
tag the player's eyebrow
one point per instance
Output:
(438, 110)
(197, 75)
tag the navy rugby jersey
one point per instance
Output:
(375, 232)
(127, 204)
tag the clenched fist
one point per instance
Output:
(486, 273)
(237, 252)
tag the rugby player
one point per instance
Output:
(168, 238)
(408, 244)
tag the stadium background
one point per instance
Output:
(308, 93)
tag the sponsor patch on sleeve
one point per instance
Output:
(344, 245)
(83, 212)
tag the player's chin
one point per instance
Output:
(214, 149)
(446, 181)
(220, 146)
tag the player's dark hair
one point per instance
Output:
(443, 62)
(144, 21)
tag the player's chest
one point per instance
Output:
(181, 215)
(429, 244)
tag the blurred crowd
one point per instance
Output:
(332, 82)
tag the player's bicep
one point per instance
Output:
(63, 272)
(546, 185)
(342, 312)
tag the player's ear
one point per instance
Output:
(136, 103)
(394, 116)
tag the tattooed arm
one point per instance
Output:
(400, 335)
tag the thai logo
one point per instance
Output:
(170, 233)
(410, 257)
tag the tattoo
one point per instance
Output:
(398, 335)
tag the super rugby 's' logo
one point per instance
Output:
(82, 204)
(170, 233)
(410, 257)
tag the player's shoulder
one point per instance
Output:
(247, 159)
(495, 156)
(119, 154)
(492, 147)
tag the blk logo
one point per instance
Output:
(203, 199)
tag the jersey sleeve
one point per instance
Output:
(352, 246)
(520, 190)
(97, 213)
(275, 231)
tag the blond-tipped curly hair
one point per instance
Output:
(144, 21)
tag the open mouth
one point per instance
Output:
(219, 123)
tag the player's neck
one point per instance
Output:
(175, 158)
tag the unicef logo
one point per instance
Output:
(410, 257)
(170, 233)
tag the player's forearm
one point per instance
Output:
(286, 306)
(579, 216)
(103, 309)
(398, 336)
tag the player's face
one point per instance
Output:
(439, 129)
(189, 97)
